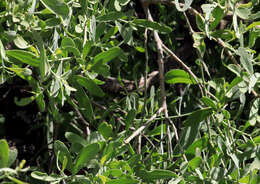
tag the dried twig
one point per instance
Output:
(140, 129)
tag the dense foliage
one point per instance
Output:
(120, 91)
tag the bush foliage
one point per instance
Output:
(120, 91)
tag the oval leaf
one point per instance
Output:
(57, 6)
(91, 86)
(178, 76)
(105, 130)
(87, 153)
(108, 55)
(63, 152)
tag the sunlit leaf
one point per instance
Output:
(45, 177)
(4, 153)
(187, 4)
(254, 112)
(21, 43)
(178, 76)
(246, 60)
(24, 56)
(59, 7)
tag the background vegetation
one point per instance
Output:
(120, 91)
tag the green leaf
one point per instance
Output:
(209, 102)
(58, 7)
(4, 153)
(75, 138)
(186, 5)
(243, 12)
(85, 106)
(152, 25)
(130, 118)
(102, 69)
(24, 56)
(54, 88)
(110, 16)
(224, 34)
(198, 116)
(235, 69)
(253, 115)
(200, 22)
(195, 163)
(87, 153)
(67, 42)
(199, 42)
(207, 9)
(158, 174)
(108, 55)
(201, 144)
(40, 102)
(45, 177)
(218, 14)
(246, 60)
(178, 76)
(105, 130)
(253, 25)
(87, 48)
(20, 42)
(112, 31)
(22, 72)
(73, 50)
(90, 85)
(44, 65)
(127, 180)
(24, 101)
(12, 156)
(157, 130)
(2, 52)
(61, 149)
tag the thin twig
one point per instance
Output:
(140, 129)
(161, 74)
(176, 58)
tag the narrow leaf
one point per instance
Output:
(4, 153)
(91, 86)
(129, 118)
(85, 105)
(111, 16)
(24, 101)
(152, 25)
(24, 56)
(253, 115)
